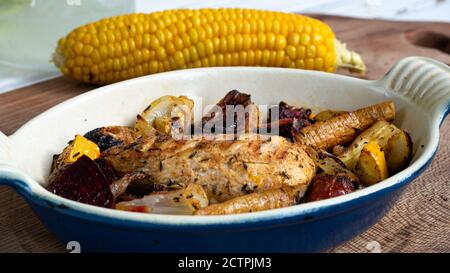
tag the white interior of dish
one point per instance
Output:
(118, 104)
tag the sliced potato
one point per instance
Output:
(380, 132)
(371, 167)
(398, 152)
(327, 114)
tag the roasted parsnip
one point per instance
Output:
(328, 114)
(344, 128)
(268, 199)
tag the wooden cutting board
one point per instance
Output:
(420, 221)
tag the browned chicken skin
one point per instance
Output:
(225, 168)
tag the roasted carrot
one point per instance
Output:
(343, 128)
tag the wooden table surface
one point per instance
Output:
(419, 222)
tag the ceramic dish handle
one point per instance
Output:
(425, 82)
(5, 149)
(8, 173)
(5, 158)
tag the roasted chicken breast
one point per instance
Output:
(225, 168)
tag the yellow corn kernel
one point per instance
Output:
(309, 63)
(293, 39)
(279, 58)
(127, 46)
(291, 52)
(270, 40)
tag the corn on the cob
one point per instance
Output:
(128, 46)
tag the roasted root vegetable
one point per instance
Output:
(236, 169)
(290, 119)
(344, 128)
(133, 45)
(398, 151)
(185, 201)
(83, 181)
(335, 180)
(326, 185)
(221, 121)
(265, 200)
(394, 144)
(371, 167)
(328, 114)
(380, 132)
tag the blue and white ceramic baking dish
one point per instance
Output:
(419, 86)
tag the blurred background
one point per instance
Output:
(29, 29)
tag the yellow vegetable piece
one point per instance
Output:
(78, 147)
(371, 167)
(128, 46)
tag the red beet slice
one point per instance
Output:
(83, 181)
(108, 170)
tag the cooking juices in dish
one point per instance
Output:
(233, 160)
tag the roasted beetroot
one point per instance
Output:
(83, 181)
(325, 186)
(232, 98)
(108, 170)
(291, 119)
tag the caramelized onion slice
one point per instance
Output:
(185, 201)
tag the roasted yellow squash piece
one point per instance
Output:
(78, 147)
(371, 167)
